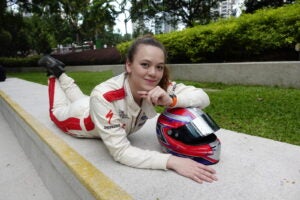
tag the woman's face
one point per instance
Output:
(146, 69)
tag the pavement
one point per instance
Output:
(18, 178)
(250, 167)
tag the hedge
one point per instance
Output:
(88, 57)
(30, 61)
(268, 34)
(91, 57)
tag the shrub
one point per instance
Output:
(269, 34)
(10, 62)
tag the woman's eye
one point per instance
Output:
(160, 68)
(145, 65)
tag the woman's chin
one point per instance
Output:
(148, 87)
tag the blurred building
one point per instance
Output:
(228, 8)
(160, 24)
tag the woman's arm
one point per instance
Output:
(188, 96)
(178, 95)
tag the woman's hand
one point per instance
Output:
(191, 169)
(157, 96)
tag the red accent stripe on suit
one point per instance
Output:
(71, 123)
(114, 95)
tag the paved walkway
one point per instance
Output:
(18, 178)
(250, 167)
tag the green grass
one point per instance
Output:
(86, 80)
(268, 112)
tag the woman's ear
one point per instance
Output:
(128, 66)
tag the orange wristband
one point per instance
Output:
(174, 100)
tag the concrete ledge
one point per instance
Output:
(66, 174)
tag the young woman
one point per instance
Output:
(121, 106)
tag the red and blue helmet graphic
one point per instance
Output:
(189, 132)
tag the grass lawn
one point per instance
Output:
(268, 112)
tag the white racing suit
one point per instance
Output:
(112, 114)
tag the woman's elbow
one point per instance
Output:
(205, 101)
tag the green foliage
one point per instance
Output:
(5, 41)
(270, 29)
(86, 80)
(189, 13)
(253, 5)
(39, 30)
(98, 17)
(249, 37)
(52, 23)
(19, 62)
(13, 37)
(122, 48)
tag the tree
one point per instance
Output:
(13, 37)
(188, 12)
(5, 40)
(123, 8)
(73, 10)
(39, 30)
(51, 22)
(32, 25)
(253, 5)
(98, 19)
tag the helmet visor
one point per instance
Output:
(197, 131)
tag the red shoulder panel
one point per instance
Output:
(114, 95)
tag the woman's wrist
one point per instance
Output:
(174, 100)
(170, 162)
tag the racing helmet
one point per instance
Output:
(189, 132)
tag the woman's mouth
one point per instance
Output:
(151, 81)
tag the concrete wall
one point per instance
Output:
(282, 74)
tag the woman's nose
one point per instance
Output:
(151, 70)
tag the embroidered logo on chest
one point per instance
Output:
(123, 115)
(109, 115)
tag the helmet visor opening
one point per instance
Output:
(198, 131)
(183, 134)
